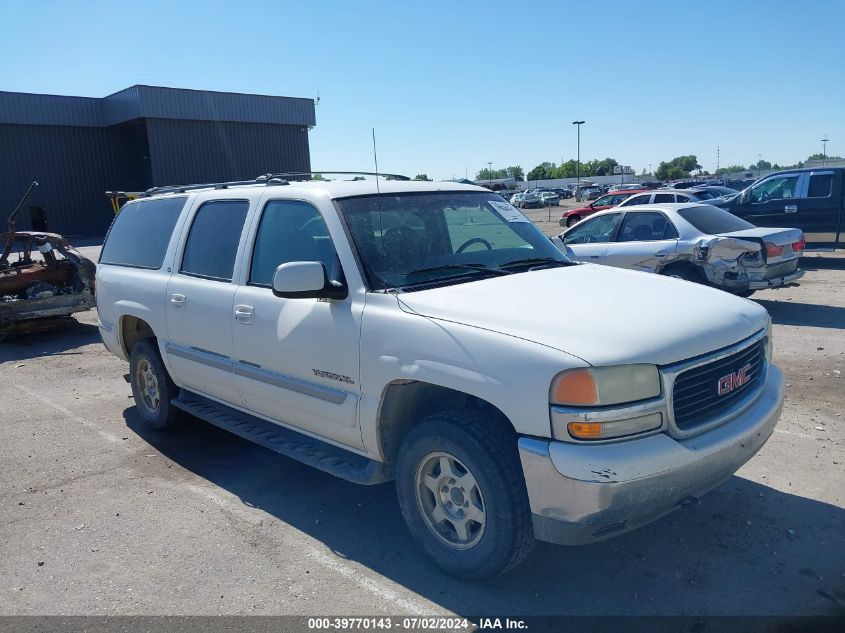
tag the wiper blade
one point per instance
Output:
(535, 260)
(446, 267)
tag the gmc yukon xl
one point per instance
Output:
(411, 331)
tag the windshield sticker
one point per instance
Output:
(507, 211)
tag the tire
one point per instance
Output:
(572, 219)
(742, 293)
(682, 272)
(152, 386)
(472, 443)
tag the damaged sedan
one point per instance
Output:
(693, 241)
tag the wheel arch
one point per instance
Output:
(133, 329)
(404, 403)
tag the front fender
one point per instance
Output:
(510, 373)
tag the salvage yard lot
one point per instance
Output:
(102, 515)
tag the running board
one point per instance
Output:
(321, 455)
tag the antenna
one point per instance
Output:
(378, 201)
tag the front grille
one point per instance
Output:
(695, 396)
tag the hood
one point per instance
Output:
(603, 315)
(582, 209)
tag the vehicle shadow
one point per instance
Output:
(822, 263)
(746, 548)
(809, 314)
(63, 340)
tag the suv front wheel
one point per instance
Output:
(462, 494)
(152, 387)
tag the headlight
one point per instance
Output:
(602, 386)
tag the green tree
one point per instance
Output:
(422, 177)
(678, 167)
(730, 169)
(317, 177)
(543, 171)
(760, 165)
(516, 172)
(823, 157)
(491, 174)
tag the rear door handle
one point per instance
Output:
(661, 253)
(791, 208)
(177, 301)
(244, 314)
(595, 255)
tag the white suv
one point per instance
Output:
(412, 331)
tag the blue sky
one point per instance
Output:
(449, 86)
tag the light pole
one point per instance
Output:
(489, 171)
(824, 150)
(578, 124)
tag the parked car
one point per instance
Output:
(588, 193)
(401, 331)
(578, 190)
(659, 196)
(563, 193)
(652, 184)
(695, 242)
(549, 199)
(572, 216)
(810, 199)
(686, 184)
(529, 200)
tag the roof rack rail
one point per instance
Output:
(209, 185)
(265, 179)
(290, 174)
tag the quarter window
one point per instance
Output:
(141, 232)
(821, 186)
(290, 231)
(213, 239)
(660, 198)
(646, 227)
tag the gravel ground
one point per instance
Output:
(102, 515)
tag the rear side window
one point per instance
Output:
(821, 186)
(712, 220)
(213, 240)
(140, 233)
(634, 200)
(664, 197)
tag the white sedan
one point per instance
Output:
(693, 241)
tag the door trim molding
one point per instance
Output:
(256, 372)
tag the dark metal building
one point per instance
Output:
(80, 147)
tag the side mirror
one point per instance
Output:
(306, 280)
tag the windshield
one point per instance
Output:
(713, 220)
(419, 238)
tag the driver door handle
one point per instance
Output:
(244, 314)
(791, 208)
(595, 255)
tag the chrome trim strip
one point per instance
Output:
(670, 372)
(562, 416)
(256, 372)
(204, 357)
(253, 372)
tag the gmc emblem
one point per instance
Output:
(734, 380)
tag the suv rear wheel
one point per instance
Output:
(461, 492)
(152, 387)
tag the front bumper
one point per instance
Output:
(581, 493)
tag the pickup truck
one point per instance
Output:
(393, 330)
(812, 200)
